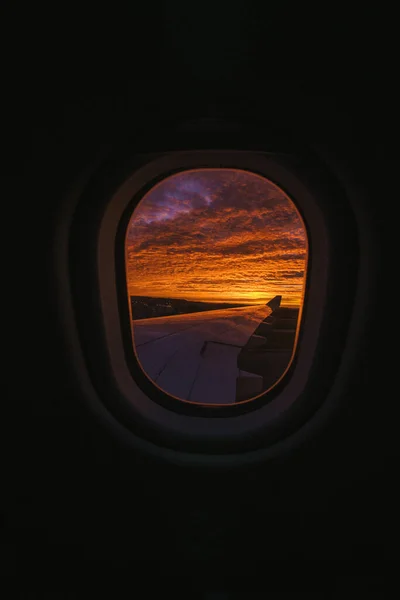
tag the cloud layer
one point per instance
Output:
(216, 235)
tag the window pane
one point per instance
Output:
(216, 266)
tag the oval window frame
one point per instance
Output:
(97, 322)
(148, 386)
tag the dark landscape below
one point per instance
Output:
(145, 307)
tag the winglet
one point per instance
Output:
(275, 302)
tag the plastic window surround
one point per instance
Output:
(137, 402)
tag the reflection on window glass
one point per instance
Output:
(216, 266)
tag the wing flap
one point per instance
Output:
(215, 381)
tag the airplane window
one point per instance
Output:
(216, 264)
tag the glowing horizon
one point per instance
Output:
(217, 235)
(259, 301)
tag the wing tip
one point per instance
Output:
(275, 302)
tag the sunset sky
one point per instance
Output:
(216, 235)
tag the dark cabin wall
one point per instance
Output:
(72, 494)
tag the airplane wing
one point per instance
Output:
(194, 356)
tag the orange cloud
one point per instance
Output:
(216, 235)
